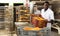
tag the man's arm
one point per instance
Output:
(52, 17)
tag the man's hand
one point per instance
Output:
(49, 21)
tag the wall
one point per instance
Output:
(11, 1)
(56, 9)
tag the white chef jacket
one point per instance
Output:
(48, 14)
(37, 12)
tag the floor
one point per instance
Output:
(6, 33)
(54, 33)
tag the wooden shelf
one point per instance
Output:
(23, 14)
(24, 20)
(51, 2)
(22, 10)
(23, 17)
(27, 14)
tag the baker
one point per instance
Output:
(47, 14)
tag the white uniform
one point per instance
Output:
(48, 14)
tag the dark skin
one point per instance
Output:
(46, 5)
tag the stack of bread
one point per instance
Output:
(38, 21)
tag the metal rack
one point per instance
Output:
(1, 17)
(22, 15)
(42, 32)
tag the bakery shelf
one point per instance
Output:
(22, 14)
(24, 20)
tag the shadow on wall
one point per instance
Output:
(56, 9)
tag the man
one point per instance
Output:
(36, 11)
(47, 14)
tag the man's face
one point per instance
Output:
(45, 5)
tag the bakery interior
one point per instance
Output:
(12, 17)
